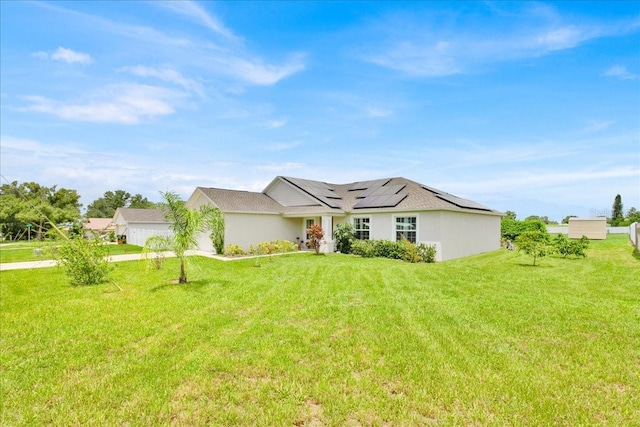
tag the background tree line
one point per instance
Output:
(26, 208)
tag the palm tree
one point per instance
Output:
(186, 224)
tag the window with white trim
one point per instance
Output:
(361, 226)
(308, 223)
(406, 226)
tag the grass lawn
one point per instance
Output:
(328, 340)
(37, 251)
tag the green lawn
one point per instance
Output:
(328, 340)
(37, 251)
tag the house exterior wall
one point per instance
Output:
(465, 234)
(287, 195)
(138, 233)
(455, 234)
(247, 229)
(593, 228)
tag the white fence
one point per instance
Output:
(610, 230)
(634, 234)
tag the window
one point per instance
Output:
(361, 226)
(308, 223)
(406, 227)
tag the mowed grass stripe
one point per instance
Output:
(328, 340)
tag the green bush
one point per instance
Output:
(364, 248)
(426, 252)
(512, 228)
(408, 251)
(233, 250)
(344, 236)
(387, 249)
(402, 249)
(84, 261)
(566, 247)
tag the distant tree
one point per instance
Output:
(511, 229)
(565, 220)
(543, 219)
(35, 204)
(617, 217)
(105, 206)
(510, 215)
(633, 215)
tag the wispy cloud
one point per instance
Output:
(257, 72)
(196, 12)
(120, 104)
(65, 55)
(435, 50)
(275, 124)
(621, 72)
(165, 74)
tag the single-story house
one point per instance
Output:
(98, 226)
(389, 208)
(593, 228)
(137, 225)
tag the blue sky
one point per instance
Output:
(524, 106)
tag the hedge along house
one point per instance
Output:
(137, 225)
(390, 208)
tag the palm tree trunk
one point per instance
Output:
(183, 275)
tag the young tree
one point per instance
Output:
(535, 244)
(617, 217)
(186, 224)
(510, 215)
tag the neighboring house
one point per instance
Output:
(380, 209)
(593, 228)
(137, 225)
(98, 226)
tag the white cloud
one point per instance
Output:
(424, 46)
(196, 12)
(165, 74)
(278, 168)
(275, 124)
(65, 55)
(621, 72)
(120, 104)
(372, 111)
(256, 72)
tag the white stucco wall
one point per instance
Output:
(457, 234)
(249, 229)
(465, 234)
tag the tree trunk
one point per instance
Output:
(183, 275)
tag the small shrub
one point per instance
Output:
(408, 251)
(427, 253)
(316, 233)
(387, 249)
(234, 250)
(84, 261)
(363, 248)
(566, 247)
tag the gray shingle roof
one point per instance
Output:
(347, 198)
(142, 215)
(241, 201)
